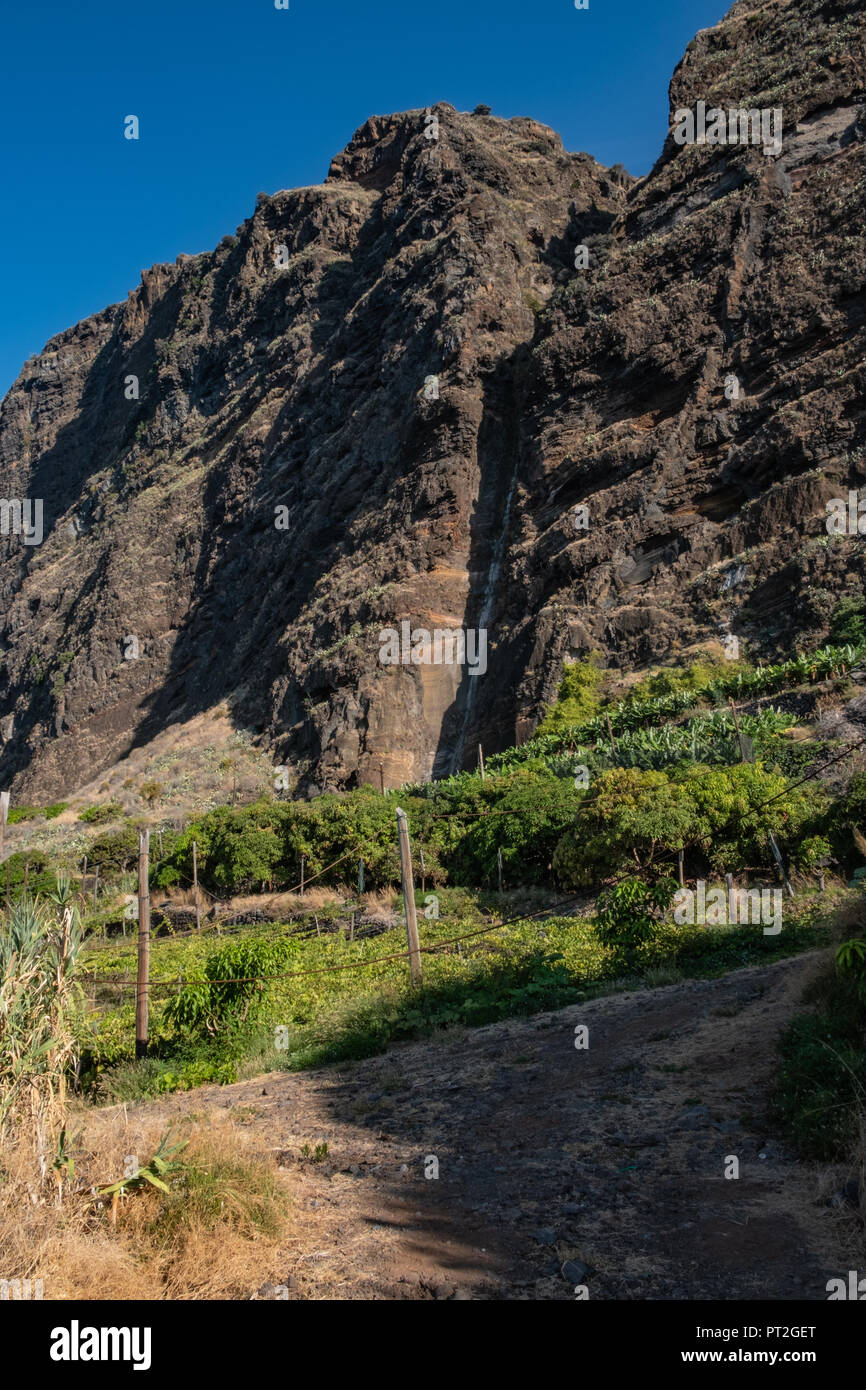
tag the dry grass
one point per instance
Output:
(177, 896)
(216, 1235)
(383, 904)
(279, 905)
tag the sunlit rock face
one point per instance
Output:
(471, 383)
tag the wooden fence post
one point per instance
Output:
(143, 982)
(680, 858)
(780, 864)
(744, 750)
(610, 735)
(360, 878)
(481, 761)
(195, 885)
(409, 898)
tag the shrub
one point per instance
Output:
(721, 814)
(24, 813)
(848, 622)
(32, 866)
(577, 698)
(846, 819)
(199, 1073)
(241, 849)
(115, 852)
(629, 914)
(822, 1076)
(670, 680)
(851, 961)
(231, 992)
(811, 852)
(630, 813)
(101, 814)
(525, 822)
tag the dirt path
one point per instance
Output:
(611, 1157)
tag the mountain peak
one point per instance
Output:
(388, 399)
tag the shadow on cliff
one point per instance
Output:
(334, 453)
(349, 453)
(484, 708)
(103, 426)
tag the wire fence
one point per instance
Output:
(560, 907)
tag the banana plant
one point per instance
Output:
(851, 958)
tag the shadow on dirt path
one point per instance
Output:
(558, 1166)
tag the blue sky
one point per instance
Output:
(235, 96)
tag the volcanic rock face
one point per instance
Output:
(701, 389)
(248, 471)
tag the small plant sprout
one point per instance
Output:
(163, 1166)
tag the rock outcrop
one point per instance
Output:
(383, 399)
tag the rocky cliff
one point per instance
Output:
(388, 398)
